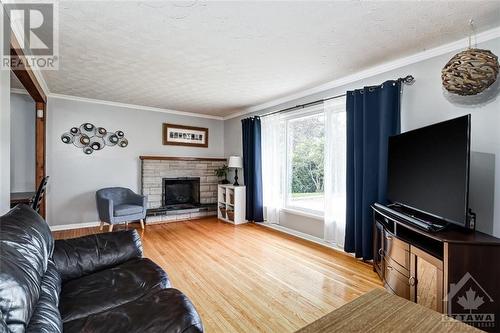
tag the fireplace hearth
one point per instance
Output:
(180, 193)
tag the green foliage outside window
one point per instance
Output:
(307, 155)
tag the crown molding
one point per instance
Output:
(376, 70)
(18, 91)
(133, 106)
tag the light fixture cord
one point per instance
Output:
(472, 33)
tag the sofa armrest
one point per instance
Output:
(81, 256)
(104, 208)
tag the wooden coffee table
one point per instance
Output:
(379, 311)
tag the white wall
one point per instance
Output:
(4, 129)
(74, 176)
(22, 138)
(425, 103)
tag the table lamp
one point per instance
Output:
(235, 162)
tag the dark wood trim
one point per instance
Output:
(172, 158)
(24, 73)
(193, 128)
(40, 145)
(29, 81)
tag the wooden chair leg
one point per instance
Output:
(110, 227)
(102, 226)
(142, 224)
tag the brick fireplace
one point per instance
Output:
(157, 169)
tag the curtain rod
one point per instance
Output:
(409, 79)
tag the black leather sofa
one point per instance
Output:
(97, 283)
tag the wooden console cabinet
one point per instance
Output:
(436, 269)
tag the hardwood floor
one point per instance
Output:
(250, 278)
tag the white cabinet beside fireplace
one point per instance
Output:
(231, 198)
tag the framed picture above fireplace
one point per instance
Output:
(180, 135)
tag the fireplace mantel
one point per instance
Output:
(173, 158)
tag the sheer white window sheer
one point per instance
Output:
(335, 171)
(273, 166)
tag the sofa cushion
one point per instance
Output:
(126, 209)
(76, 257)
(173, 312)
(46, 317)
(111, 287)
(26, 244)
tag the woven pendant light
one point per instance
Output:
(470, 72)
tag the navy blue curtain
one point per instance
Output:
(252, 168)
(373, 114)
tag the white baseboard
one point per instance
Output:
(74, 226)
(303, 236)
(96, 224)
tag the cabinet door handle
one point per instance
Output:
(389, 267)
(380, 252)
(412, 281)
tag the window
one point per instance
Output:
(305, 167)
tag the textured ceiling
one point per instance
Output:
(220, 57)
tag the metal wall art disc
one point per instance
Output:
(97, 143)
(111, 139)
(88, 129)
(101, 132)
(67, 137)
(123, 143)
(81, 140)
(91, 138)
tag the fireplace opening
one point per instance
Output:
(181, 193)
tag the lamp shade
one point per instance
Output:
(235, 162)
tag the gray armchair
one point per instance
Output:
(118, 204)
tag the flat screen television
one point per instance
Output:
(428, 170)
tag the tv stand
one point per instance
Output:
(436, 269)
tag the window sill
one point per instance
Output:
(302, 213)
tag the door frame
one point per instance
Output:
(25, 75)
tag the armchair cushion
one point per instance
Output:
(126, 209)
(77, 257)
(112, 287)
